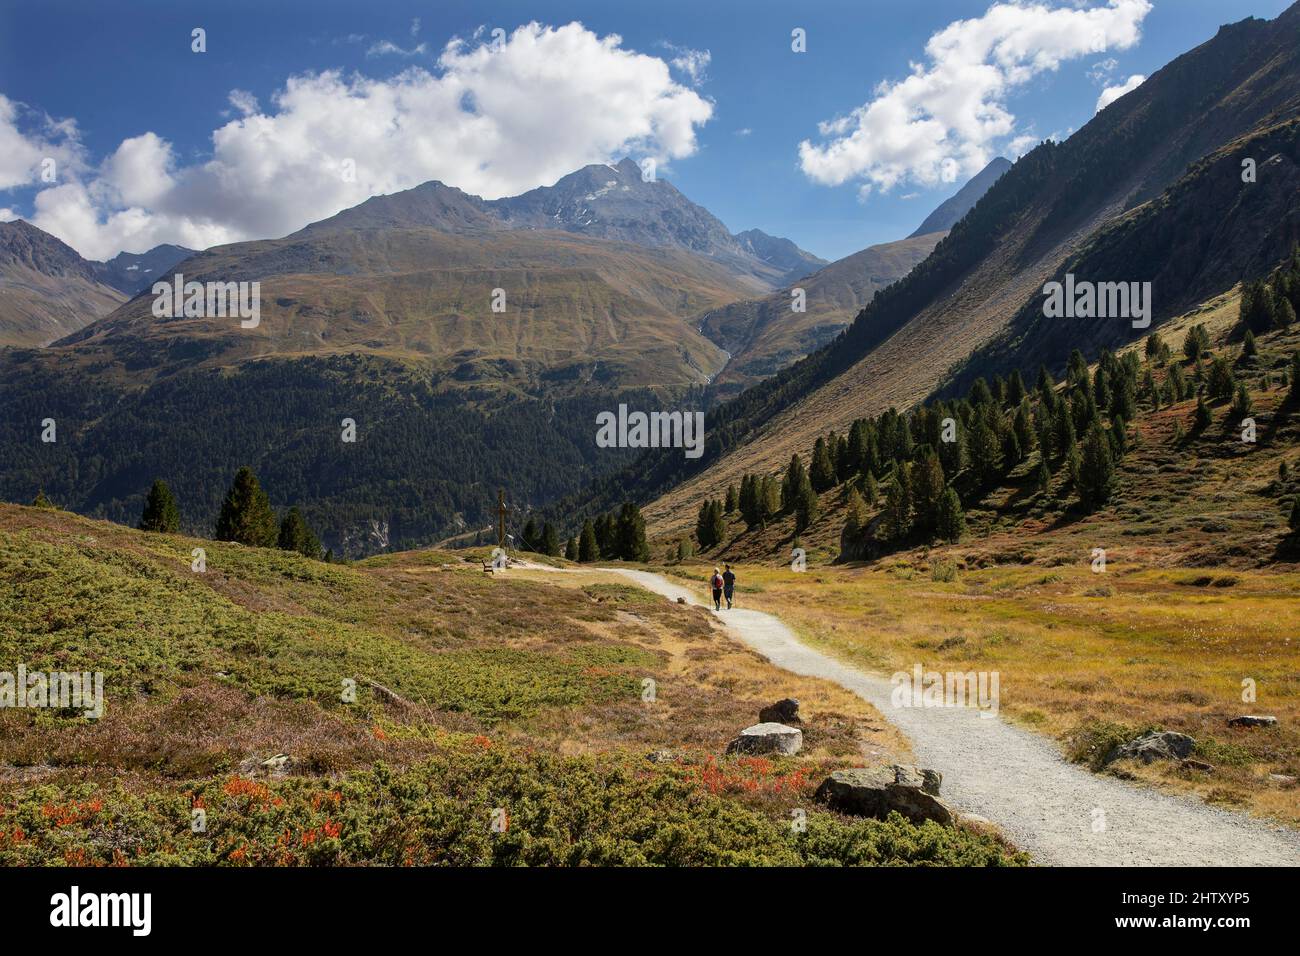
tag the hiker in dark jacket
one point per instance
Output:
(729, 585)
(716, 583)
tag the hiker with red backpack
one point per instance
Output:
(716, 583)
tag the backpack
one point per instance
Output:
(717, 582)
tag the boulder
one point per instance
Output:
(785, 711)
(1249, 720)
(876, 791)
(767, 738)
(1157, 745)
(681, 600)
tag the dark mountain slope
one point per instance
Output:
(1035, 218)
(1199, 238)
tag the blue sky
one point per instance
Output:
(729, 134)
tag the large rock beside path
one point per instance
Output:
(1157, 745)
(767, 738)
(876, 791)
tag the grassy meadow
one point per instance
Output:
(480, 700)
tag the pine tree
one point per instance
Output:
(806, 505)
(732, 500)
(951, 522)
(529, 538)
(1248, 347)
(870, 490)
(980, 394)
(1221, 382)
(246, 515)
(1101, 388)
(1242, 406)
(1123, 400)
(794, 475)
(1076, 372)
(1203, 417)
(160, 510)
(898, 506)
(571, 549)
(1096, 468)
(606, 537)
(41, 501)
(295, 535)
(822, 470)
(1042, 476)
(588, 549)
(704, 526)
(927, 490)
(630, 534)
(1153, 346)
(1294, 521)
(1015, 389)
(985, 451)
(1177, 383)
(1063, 433)
(550, 542)
(717, 523)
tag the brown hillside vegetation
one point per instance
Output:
(475, 695)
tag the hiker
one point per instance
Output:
(716, 583)
(729, 584)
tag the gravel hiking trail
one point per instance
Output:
(1018, 780)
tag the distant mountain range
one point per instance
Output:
(47, 290)
(132, 272)
(457, 332)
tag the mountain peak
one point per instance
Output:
(628, 167)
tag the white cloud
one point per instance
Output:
(744, 131)
(1102, 69)
(1111, 93)
(694, 63)
(8, 215)
(493, 121)
(244, 101)
(28, 138)
(415, 26)
(387, 48)
(946, 118)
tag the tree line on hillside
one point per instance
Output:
(246, 518)
(425, 454)
(924, 469)
(616, 536)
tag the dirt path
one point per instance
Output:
(1050, 808)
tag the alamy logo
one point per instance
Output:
(1098, 300)
(653, 430)
(922, 688)
(56, 690)
(210, 300)
(103, 909)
